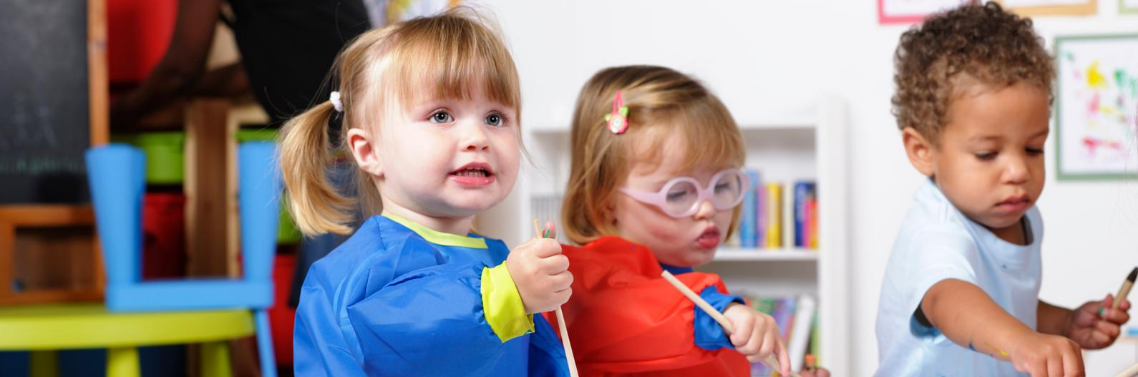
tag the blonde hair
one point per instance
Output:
(662, 105)
(453, 55)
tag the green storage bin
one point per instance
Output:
(259, 134)
(165, 155)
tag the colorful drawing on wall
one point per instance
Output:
(1096, 109)
(1128, 6)
(1052, 7)
(912, 11)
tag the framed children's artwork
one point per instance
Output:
(1052, 7)
(1128, 6)
(1096, 107)
(912, 11)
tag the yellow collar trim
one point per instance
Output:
(436, 237)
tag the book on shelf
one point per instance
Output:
(778, 216)
(797, 320)
(805, 205)
(774, 215)
(748, 222)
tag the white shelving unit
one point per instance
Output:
(808, 144)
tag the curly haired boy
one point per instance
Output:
(961, 291)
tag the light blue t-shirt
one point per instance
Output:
(938, 242)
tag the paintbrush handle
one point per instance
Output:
(560, 317)
(770, 361)
(1122, 293)
(700, 302)
(568, 348)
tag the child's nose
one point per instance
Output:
(1016, 171)
(474, 138)
(705, 211)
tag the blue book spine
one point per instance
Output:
(760, 212)
(748, 224)
(802, 192)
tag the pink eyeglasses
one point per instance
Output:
(681, 196)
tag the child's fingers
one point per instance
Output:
(562, 281)
(546, 247)
(783, 356)
(1055, 367)
(561, 297)
(1099, 339)
(1072, 360)
(768, 346)
(753, 345)
(742, 332)
(1118, 316)
(555, 264)
(1108, 327)
(1072, 364)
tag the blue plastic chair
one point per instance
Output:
(117, 178)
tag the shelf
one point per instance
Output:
(765, 255)
(791, 123)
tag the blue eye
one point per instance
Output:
(495, 119)
(441, 116)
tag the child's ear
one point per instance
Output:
(364, 151)
(609, 211)
(919, 151)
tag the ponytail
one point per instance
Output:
(315, 204)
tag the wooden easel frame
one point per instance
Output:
(48, 216)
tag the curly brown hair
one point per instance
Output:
(973, 43)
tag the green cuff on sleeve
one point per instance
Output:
(502, 304)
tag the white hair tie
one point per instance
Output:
(336, 103)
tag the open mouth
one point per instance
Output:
(473, 174)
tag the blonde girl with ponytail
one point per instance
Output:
(430, 111)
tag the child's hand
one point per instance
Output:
(756, 335)
(541, 274)
(1047, 355)
(1094, 325)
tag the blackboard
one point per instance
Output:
(46, 89)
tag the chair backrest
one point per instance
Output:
(117, 177)
(116, 174)
(258, 194)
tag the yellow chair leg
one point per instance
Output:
(123, 362)
(215, 359)
(45, 364)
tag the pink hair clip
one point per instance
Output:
(618, 119)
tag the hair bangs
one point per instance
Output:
(450, 58)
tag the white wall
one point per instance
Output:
(768, 55)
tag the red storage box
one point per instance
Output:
(138, 32)
(281, 315)
(164, 235)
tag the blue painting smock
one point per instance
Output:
(400, 299)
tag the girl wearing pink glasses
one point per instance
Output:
(655, 185)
